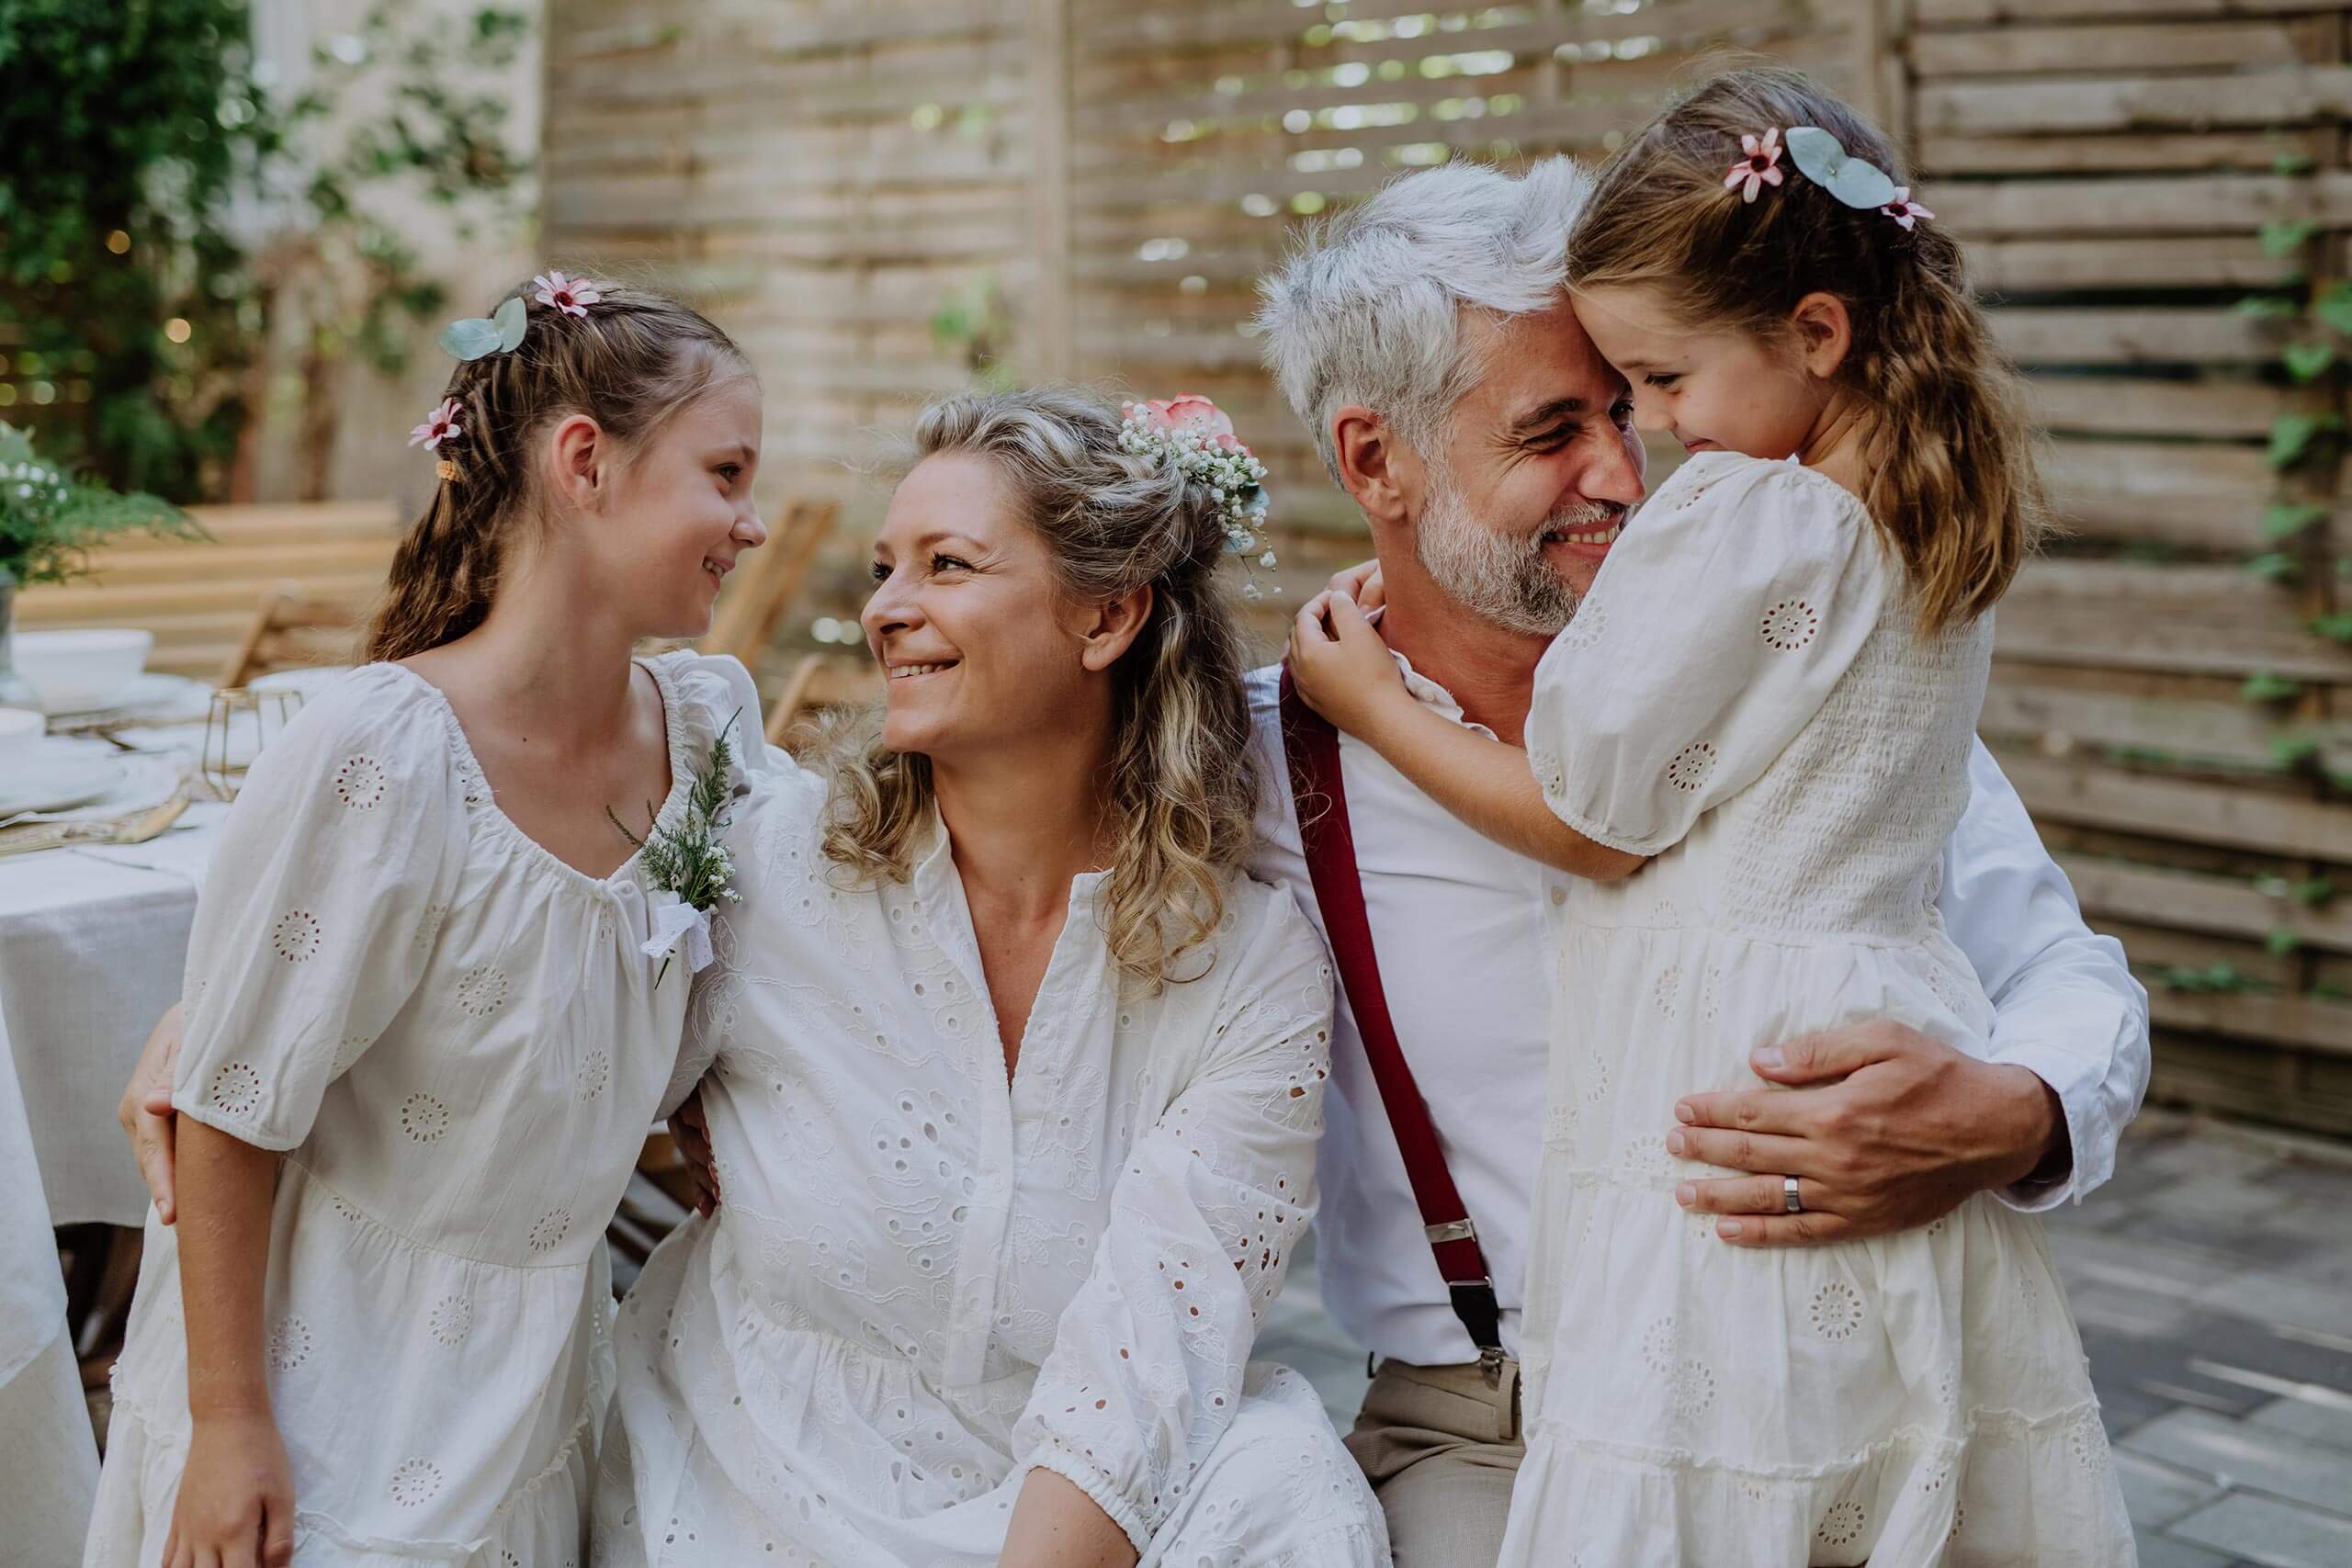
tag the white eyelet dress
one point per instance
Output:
(922, 1281)
(1744, 696)
(455, 1041)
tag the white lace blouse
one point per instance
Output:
(923, 1280)
(455, 1040)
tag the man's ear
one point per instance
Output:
(1376, 468)
(1111, 627)
(580, 461)
(1825, 333)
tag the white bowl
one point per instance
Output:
(80, 671)
(20, 731)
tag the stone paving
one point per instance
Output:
(2212, 1279)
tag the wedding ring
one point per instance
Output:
(1789, 1199)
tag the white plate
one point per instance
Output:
(153, 695)
(52, 780)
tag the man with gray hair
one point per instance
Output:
(1426, 340)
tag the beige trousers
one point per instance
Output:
(1441, 1446)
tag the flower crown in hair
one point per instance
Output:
(1822, 159)
(477, 337)
(1193, 434)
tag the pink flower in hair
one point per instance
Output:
(1758, 163)
(1904, 211)
(572, 295)
(1188, 410)
(440, 425)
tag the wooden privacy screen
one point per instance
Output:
(2161, 699)
(892, 200)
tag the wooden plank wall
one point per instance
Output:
(1208, 135)
(2160, 700)
(826, 179)
(1110, 180)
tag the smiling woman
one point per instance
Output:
(1016, 1076)
(1023, 534)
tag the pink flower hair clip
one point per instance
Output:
(570, 296)
(439, 425)
(1758, 165)
(1904, 211)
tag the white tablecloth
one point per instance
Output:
(49, 1462)
(92, 942)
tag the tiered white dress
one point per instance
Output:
(1744, 696)
(922, 1280)
(456, 1043)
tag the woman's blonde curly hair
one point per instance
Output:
(1182, 783)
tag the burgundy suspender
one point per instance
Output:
(1312, 746)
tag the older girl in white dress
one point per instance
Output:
(1018, 1076)
(422, 1042)
(1772, 688)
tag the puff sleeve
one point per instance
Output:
(1721, 622)
(319, 905)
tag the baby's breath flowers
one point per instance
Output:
(1194, 434)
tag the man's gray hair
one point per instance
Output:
(1367, 310)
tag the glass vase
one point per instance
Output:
(13, 692)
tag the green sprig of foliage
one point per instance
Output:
(50, 520)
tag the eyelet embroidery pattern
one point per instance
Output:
(346, 1051)
(595, 1071)
(415, 1482)
(428, 925)
(1585, 627)
(1790, 624)
(548, 1231)
(236, 1088)
(1837, 1310)
(1692, 766)
(1596, 1077)
(1842, 1525)
(2086, 1440)
(424, 1118)
(360, 783)
(1550, 772)
(1694, 1388)
(1665, 990)
(1658, 1344)
(451, 1320)
(1711, 994)
(290, 1345)
(481, 990)
(295, 936)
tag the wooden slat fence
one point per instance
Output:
(2126, 172)
(890, 200)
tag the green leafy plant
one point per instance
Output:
(2212, 980)
(2268, 686)
(50, 520)
(131, 313)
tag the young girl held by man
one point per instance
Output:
(1765, 706)
(424, 1036)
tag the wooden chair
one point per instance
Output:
(770, 578)
(292, 627)
(822, 681)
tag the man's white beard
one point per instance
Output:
(1498, 576)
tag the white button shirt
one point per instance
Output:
(1466, 932)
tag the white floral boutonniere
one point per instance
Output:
(689, 861)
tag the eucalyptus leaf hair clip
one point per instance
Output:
(1823, 159)
(498, 332)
